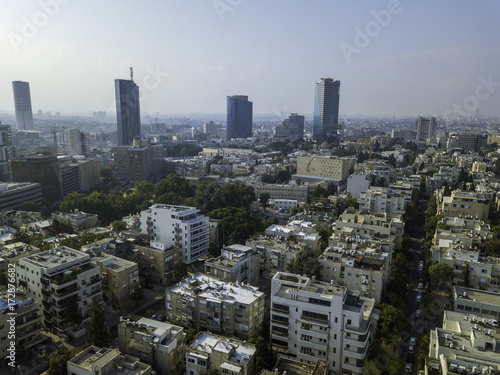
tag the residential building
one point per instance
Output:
(465, 204)
(362, 223)
(466, 344)
(65, 283)
(14, 218)
(380, 199)
(237, 263)
(77, 220)
(315, 320)
(7, 151)
(128, 112)
(426, 128)
(27, 327)
(179, 226)
(292, 366)
(11, 253)
(360, 268)
(204, 302)
(157, 261)
(303, 232)
(239, 117)
(229, 356)
(22, 103)
(292, 128)
(476, 302)
(120, 278)
(104, 361)
(15, 193)
(326, 109)
(285, 204)
(159, 344)
(327, 168)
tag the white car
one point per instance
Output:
(408, 368)
(420, 285)
(413, 341)
(418, 313)
(411, 349)
(419, 299)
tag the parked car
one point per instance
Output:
(420, 286)
(408, 368)
(419, 299)
(413, 341)
(418, 313)
(411, 349)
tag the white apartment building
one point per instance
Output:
(179, 226)
(313, 320)
(61, 280)
(204, 302)
(159, 344)
(380, 199)
(229, 356)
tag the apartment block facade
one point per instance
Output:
(179, 226)
(313, 320)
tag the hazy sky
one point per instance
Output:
(392, 57)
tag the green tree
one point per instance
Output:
(180, 271)
(352, 202)
(30, 206)
(423, 352)
(390, 322)
(137, 295)
(58, 362)
(97, 332)
(467, 276)
(118, 225)
(264, 358)
(440, 273)
(304, 264)
(491, 247)
(264, 198)
(190, 335)
(237, 224)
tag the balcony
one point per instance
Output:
(359, 353)
(314, 344)
(61, 280)
(60, 295)
(318, 321)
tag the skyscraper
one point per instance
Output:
(128, 112)
(326, 108)
(239, 117)
(22, 103)
(425, 127)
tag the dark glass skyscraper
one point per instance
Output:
(239, 117)
(22, 103)
(128, 111)
(326, 108)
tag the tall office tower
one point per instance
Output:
(425, 127)
(239, 117)
(22, 102)
(128, 112)
(7, 151)
(75, 141)
(326, 108)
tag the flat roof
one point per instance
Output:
(475, 295)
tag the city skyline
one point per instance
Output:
(388, 63)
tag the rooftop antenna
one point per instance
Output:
(132, 74)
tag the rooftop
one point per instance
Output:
(211, 288)
(475, 295)
(239, 351)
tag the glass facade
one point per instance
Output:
(128, 111)
(239, 117)
(22, 103)
(326, 108)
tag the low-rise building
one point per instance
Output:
(362, 268)
(157, 261)
(13, 194)
(281, 191)
(301, 231)
(237, 263)
(474, 301)
(120, 278)
(14, 218)
(27, 325)
(313, 320)
(380, 199)
(204, 302)
(77, 220)
(104, 361)
(159, 344)
(465, 204)
(10, 254)
(229, 356)
(466, 344)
